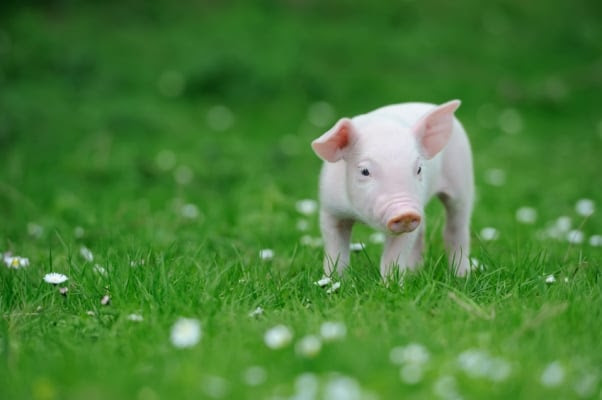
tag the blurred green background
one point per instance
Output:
(178, 133)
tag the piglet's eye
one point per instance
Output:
(419, 170)
(365, 172)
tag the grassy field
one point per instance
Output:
(172, 142)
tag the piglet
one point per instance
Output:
(382, 168)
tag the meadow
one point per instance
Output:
(157, 155)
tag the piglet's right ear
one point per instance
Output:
(331, 146)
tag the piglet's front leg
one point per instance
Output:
(336, 233)
(398, 251)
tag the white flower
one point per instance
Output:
(307, 206)
(183, 175)
(34, 230)
(585, 207)
(266, 254)
(186, 332)
(135, 318)
(377, 237)
(563, 224)
(310, 241)
(586, 385)
(552, 375)
(256, 312)
(331, 331)
(356, 246)
(306, 386)
(100, 270)
(595, 240)
(342, 388)
(64, 291)
(476, 264)
(215, 386)
(323, 281)
(254, 376)
(478, 364)
(220, 118)
(320, 114)
(489, 233)
(302, 225)
(309, 346)
(526, 215)
(575, 236)
(335, 286)
(166, 160)
(15, 262)
(413, 353)
(106, 299)
(495, 177)
(55, 278)
(411, 373)
(559, 228)
(79, 232)
(189, 211)
(474, 362)
(550, 279)
(86, 254)
(278, 337)
(499, 369)
(510, 121)
(135, 263)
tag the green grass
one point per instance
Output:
(91, 95)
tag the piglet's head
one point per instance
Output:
(384, 163)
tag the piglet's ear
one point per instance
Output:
(332, 145)
(434, 129)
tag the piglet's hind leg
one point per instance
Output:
(457, 233)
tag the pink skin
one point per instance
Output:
(382, 168)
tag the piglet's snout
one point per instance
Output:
(405, 222)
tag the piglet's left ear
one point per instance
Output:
(434, 129)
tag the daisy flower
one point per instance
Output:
(135, 318)
(323, 281)
(254, 375)
(356, 246)
(526, 215)
(86, 254)
(330, 331)
(55, 278)
(335, 286)
(278, 337)
(550, 279)
(595, 240)
(15, 262)
(585, 207)
(266, 254)
(306, 206)
(489, 234)
(552, 375)
(256, 312)
(309, 346)
(185, 332)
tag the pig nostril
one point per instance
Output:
(404, 223)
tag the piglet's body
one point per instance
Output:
(382, 168)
